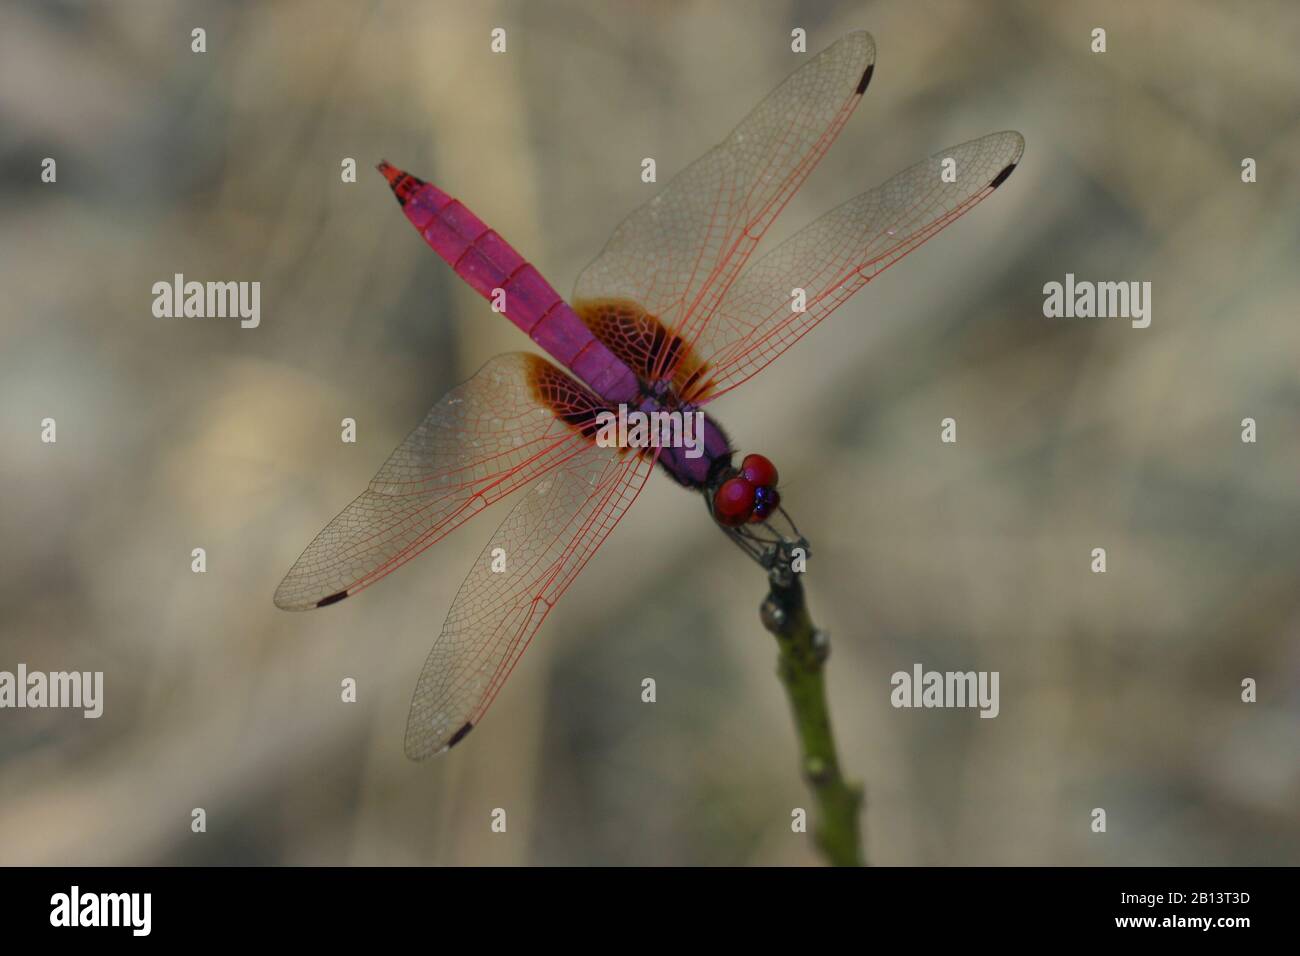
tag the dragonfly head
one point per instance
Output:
(746, 504)
(747, 495)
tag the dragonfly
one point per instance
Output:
(670, 316)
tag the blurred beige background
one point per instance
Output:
(1118, 691)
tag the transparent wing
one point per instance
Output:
(484, 439)
(550, 534)
(840, 253)
(677, 254)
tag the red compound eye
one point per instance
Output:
(759, 471)
(733, 502)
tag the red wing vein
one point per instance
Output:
(482, 441)
(841, 252)
(549, 535)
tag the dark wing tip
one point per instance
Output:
(1001, 177)
(332, 599)
(866, 78)
(459, 735)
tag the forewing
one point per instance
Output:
(676, 255)
(484, 439)
(552, 531)
(840, 253)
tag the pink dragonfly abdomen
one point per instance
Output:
(489, 263)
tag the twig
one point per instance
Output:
(801, 665)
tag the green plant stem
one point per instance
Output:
(801, 667)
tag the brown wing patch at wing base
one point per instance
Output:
(570, 402)
(643, 343)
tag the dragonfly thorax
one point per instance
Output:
(710, 451)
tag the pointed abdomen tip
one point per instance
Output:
(402, 183)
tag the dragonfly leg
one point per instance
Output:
(772, 544)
